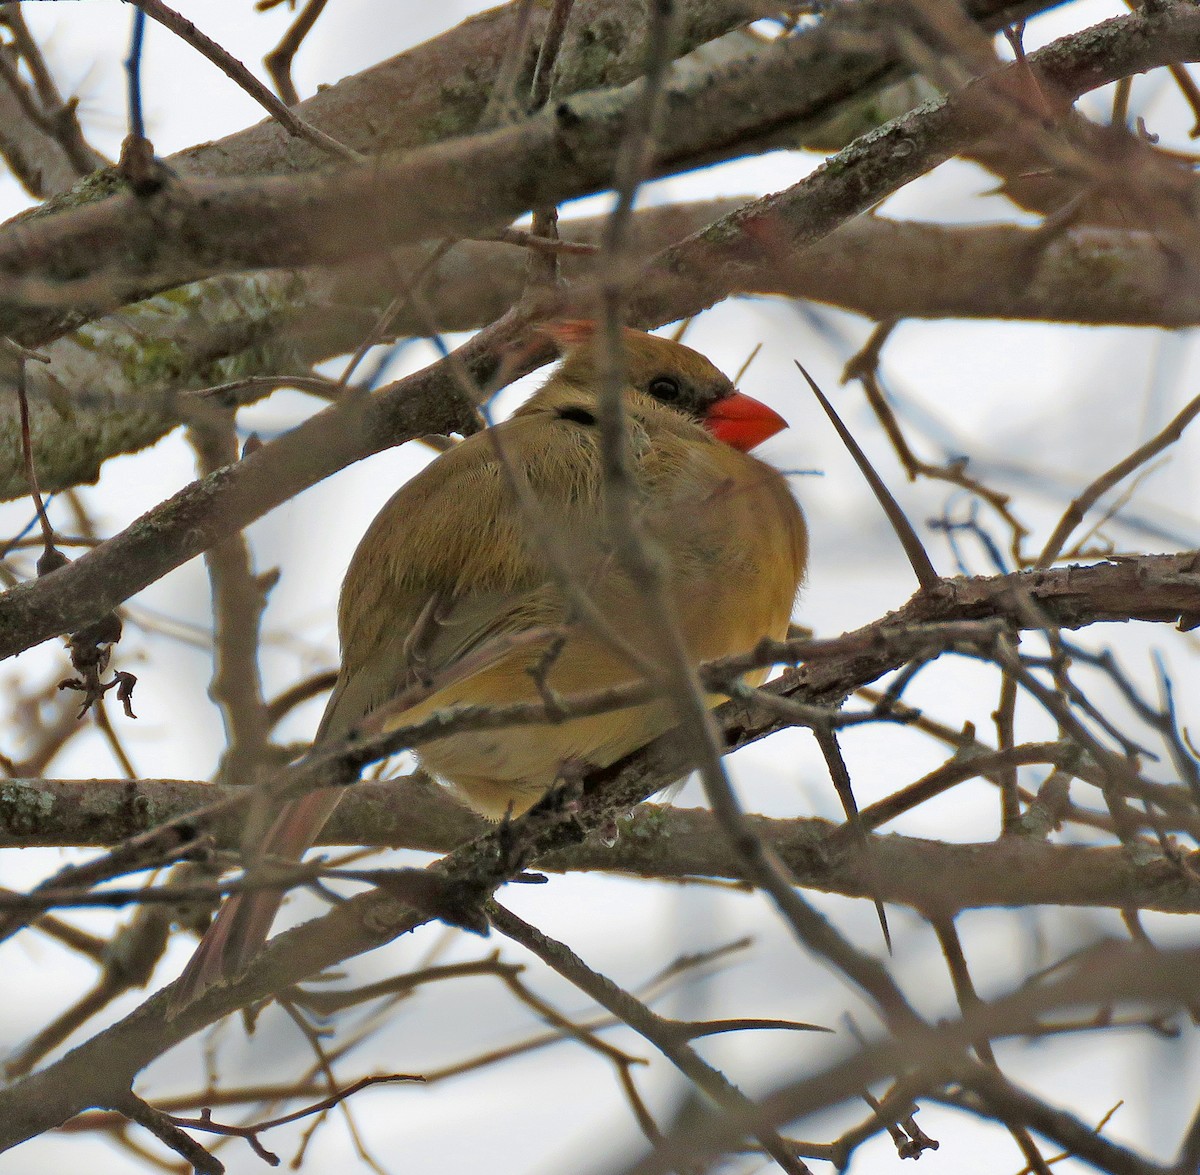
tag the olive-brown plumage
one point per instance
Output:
(449, 599)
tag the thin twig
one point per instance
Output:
(1075, 512)
(239, 597)
(840, 777)
(659, 1032)
(865, 367)
(969, 1003)
(50, 558)
(923, 569)
(170, 1135)
(334, 1099)
(279, 60)
(238, 73)
(542, 270)
(543, 244)
(133, 71)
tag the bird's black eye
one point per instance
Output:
(577, 414)
(664, 388)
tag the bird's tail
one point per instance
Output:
(241, 926)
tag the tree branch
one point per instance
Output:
(656, 842)
(92, 258)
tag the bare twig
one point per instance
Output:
(543, 262)
(923, 569)
(840, 776)
(1074, 513)
(661, 1033)
(161, 1126)
(238, 73)
(279, 60)
(208, 1126)
(239, 597)
(864, 367)
(969, 1002)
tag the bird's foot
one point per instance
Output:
(561, 804)
(512, 852)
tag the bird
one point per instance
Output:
(451, 599)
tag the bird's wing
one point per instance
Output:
(444, 573)
(459, 638)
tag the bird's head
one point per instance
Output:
(672, 374)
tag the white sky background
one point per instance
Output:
(1072, 400)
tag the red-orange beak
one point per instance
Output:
(742, 422)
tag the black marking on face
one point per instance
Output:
(577, 414)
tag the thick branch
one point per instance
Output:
(91, 258)
(89, 1074)
(128, 376)
(656, 842)
(439, 89)
(1153, 588)
(701, 271)
(883, 269)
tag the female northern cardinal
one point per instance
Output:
(448, 598)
